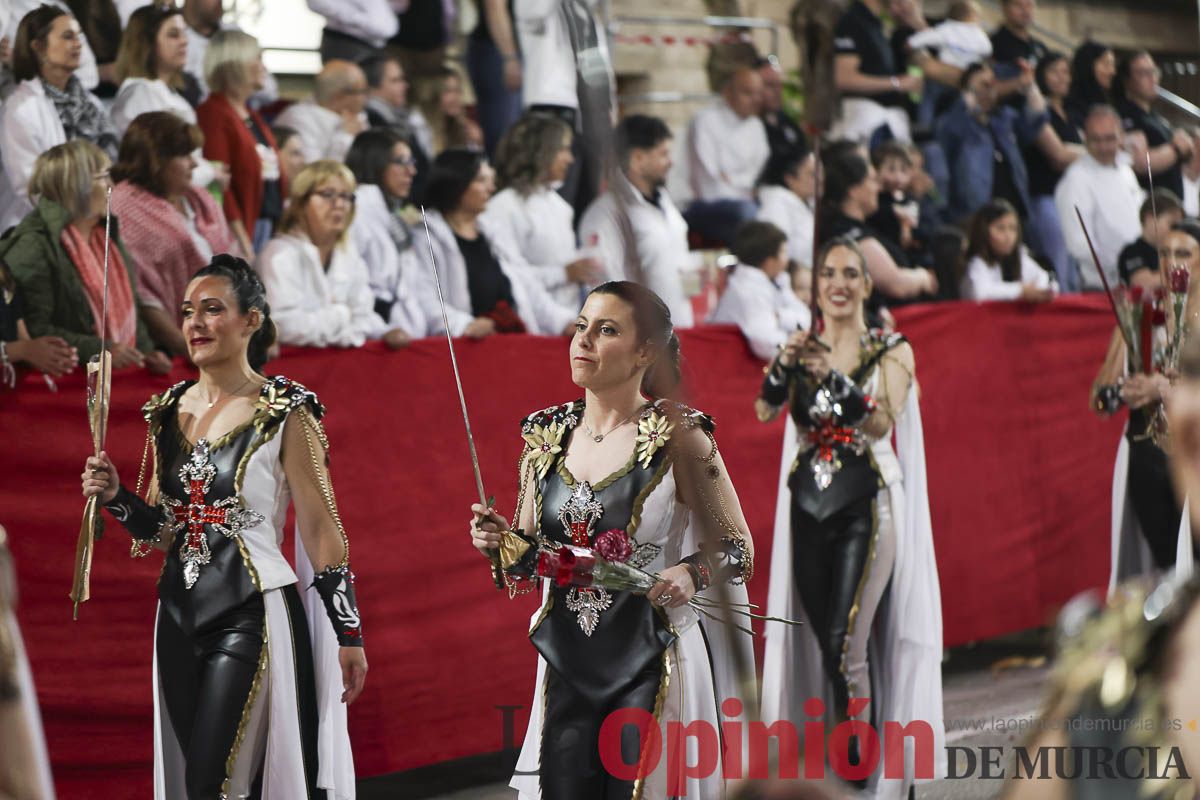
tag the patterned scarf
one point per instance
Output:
(81, 117)
(88, 258)
(398, 229)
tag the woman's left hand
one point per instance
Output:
(674, 588)
(354, 672)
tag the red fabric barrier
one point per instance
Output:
(1019, 476)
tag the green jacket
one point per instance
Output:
(55, 301)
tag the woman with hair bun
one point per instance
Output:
(248, 698)
(851, 521)
(637, 478)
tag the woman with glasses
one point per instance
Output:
(49, 106)
(383, 164)
(531, 163)
(316, 281)
(171, 228)
(56, 254)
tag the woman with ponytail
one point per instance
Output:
(636, 478)
(244, 689)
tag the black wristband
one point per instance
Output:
(1108, 399)
(142, 520)
(775, 384)
(722, 561)
(336, 587)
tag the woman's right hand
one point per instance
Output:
(486, 526)
(480, 328)
(124, 355)
(48, 354)
(1032, 293)
(100, 478)
(792, 348)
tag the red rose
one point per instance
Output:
(1179, 278)
(1159, 317)
(566, 558)
(1135, 294)
(614, 546)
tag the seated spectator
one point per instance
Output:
(899, 213)
(1015, 50)
(487, 288)
(1093, 69)
(150, 67)
(1138, 262)
(960, 41)
(169, 227)
(634, 228)
(387, 106)
(786, 197)
(48, 354)
(1105, 190)
(49, 106)
(981, 141)
(1058, 144)
(873, 88)
(758, 297)
(238, 137)
(329, 121)
(354, 31)
(941, 78)
(383, 165)
(316, 281)
(204, 20)
(784, 136)
(440, 102)
(998, 265)
(12, 12)
(851, 194)
(533, 157)
(1168, 149)
(56, 254)
(727, 150)
(291, 151)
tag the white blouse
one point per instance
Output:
(767, 311)
(784, 209)
(983, 281)
(541, 227)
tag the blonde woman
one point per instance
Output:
(316, 281)
(56, 254)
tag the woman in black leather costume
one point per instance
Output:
(844, 391)
(639, 479)
(229, 452)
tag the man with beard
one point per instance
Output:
(633, 228)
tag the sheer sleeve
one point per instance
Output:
(896, 375)
(306, 465)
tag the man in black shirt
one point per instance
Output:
(865, 67)
(1138, 262)
(783, 134)
(1168, 149)
(1014, 43)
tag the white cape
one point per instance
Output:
(1130, 554)
(38, 771)
(906, 640)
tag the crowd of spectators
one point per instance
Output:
(957, 161)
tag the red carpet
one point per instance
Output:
(1019, 474)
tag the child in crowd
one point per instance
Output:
(960, 41)
(759, 298)
(898, 214)
(1138, 262)
(999, 267)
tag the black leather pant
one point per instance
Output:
(1154, 504)
(570, 759)
(205, 679)
(841, 568)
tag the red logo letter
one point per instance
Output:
(649, 741)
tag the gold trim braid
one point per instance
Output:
(852, 618)
(231, 762)
(312, 426)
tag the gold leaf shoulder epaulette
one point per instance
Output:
(566, 415)
(154, 407)
(279, 396)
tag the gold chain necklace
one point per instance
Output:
(599, 437)
(212, 403)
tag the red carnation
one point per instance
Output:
(1179, 278)
(614, 546)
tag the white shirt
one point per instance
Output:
(320, 129)
(784, 209)
(660, 256)
(372, 21)
(767, 311)
(541, 227)
(29, 126)
(315, 307)
(1191, 197)
(540, 312)
(984, 281)
(88, 73)
(959, 44)
(141, 95)
(548, 59)
(1109, 198)
(725, 153)
(392, 274)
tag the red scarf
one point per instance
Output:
(88, 258)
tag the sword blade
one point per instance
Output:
(1104, 282)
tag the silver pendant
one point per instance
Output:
(598, 439)
(587, 604)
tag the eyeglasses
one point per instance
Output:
(332, 196)
(405, 162)
(102, 177)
